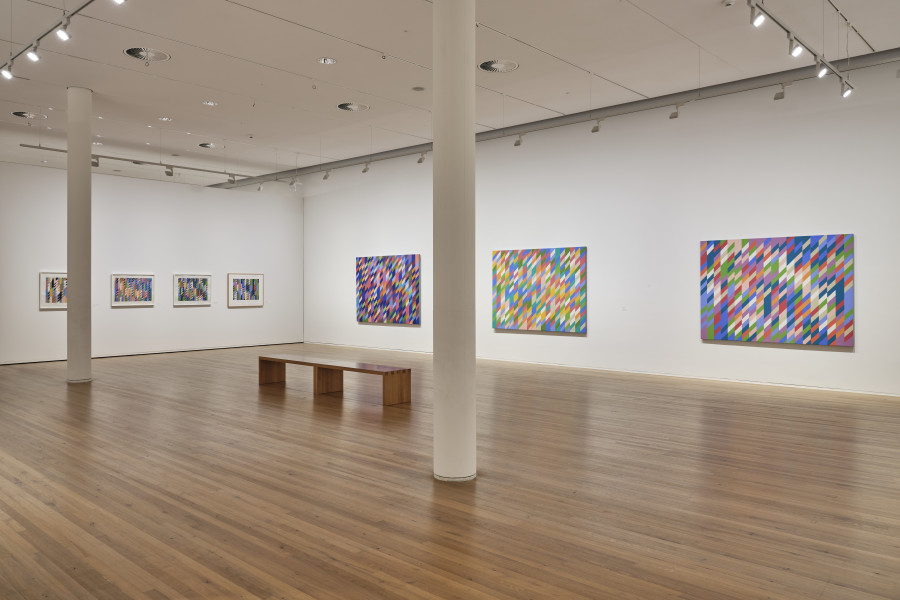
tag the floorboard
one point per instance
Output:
(177, 476)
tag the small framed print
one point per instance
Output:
(245, 289)
(52, 288)
(132, 290)
(191, 290)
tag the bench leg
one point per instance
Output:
(327, 380)
(396, 388)
(270, 372)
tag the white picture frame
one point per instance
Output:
(191, 290)
(129, 290)
(245, 290)
(52, 287)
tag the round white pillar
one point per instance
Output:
(454, 239)
(78, 243)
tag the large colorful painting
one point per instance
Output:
(540, 289)
(133, 290)
(191, 290)
(245, 289)
(52, 288)
(387, 289)
(788, 290)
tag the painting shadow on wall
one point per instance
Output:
(538, 332)
(801, 347)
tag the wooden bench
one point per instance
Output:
(328, 375)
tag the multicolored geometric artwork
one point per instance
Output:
(132, 290)
(387, 289)
(541, 289)
(52, 288)
(191, 290)
(787, 290)
(245, 289)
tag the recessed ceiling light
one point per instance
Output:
(326, 60)
(166, 119)
(353, 106)
(210, 103)
(499, 65)
(418, 88)
(207, 145)
(147, 55)
(24, 114)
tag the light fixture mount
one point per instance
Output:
(499, 65)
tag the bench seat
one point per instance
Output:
(328, 375)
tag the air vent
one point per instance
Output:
(353, 106)
(147, 55)
(23, 114)
(499, 65)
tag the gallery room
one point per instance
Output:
(482, 299)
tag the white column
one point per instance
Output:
(454, 239)
(78, 243)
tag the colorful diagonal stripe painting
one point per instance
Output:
(540, 289)
(788, 290)
(387, 289)
(55, 289)
(132, 289)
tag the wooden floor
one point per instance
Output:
(178, 476)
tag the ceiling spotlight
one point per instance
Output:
(421, 159)
(518, 142)
(596, 127)
(210, 103)
(95, 161)
(293, 185)
(676, 113)
(794, 46)
(232, 179)
(32, 53)
(96, 143)
(779, 95)
(170, 171)
(846, 89)
(165, 119)
(366, 168)
(757, 17)
(259, 188)
(353, 106)
(326, 60)
(119, 1)
(821, 69)
(6, 71)
(62, 32)
(327, 175)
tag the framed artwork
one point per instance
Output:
(387, 289)
(540, 289)
(245, 289)
(785, 290)
(52, 288)
(132, 290)
(191, 290)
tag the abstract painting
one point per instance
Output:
(133, 290)
(540, 289)
(786, 290)
(191, 290)
(387, 289)
(245, 289)
(52, 288)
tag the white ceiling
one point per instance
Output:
(277, 104)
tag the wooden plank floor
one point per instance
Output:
(177, 476)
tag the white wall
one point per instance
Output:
(161, 228)
(641, 195)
